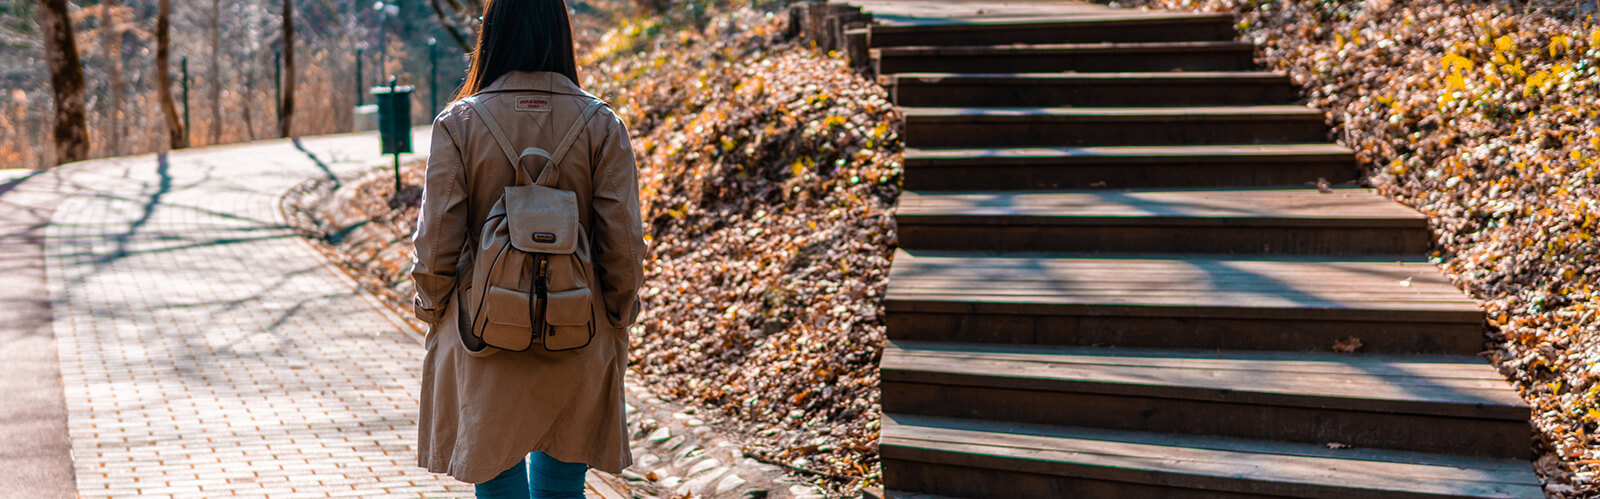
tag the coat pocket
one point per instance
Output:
(570, 315)
(508, 319)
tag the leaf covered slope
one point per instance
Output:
(1484, 117)
(769, 172)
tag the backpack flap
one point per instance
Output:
(542, 219)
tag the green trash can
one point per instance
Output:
(394, 117)
(394, 122)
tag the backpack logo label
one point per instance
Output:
(533, 103)
(544, 237)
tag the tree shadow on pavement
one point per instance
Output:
(318, 161)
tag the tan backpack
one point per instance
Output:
(530, 279)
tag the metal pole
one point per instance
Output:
(361, 97)
(401, 129)
(433, 79)
(383, 41)
(277, 85)
(183, 63)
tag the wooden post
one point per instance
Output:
(825, 23)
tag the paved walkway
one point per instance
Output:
(166, 333)
(207, 351)
(35, 456)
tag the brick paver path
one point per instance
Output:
(207, 351)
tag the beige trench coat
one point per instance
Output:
(481, 414)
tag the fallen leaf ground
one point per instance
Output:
(769, 172)
(1485, 117)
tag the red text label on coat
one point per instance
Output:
(533, 103)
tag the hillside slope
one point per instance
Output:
(768, 175)
(1483, 117)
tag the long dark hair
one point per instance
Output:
(521, 35)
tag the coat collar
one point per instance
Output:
(541, 81)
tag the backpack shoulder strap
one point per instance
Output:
(499, 136)
(550, 175)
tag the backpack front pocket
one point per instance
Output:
(570, 316)
(508, 318)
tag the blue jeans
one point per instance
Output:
(539, 476)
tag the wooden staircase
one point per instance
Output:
(1118, 277)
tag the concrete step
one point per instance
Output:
(1399, 304)
(984, 459)
(1001, 168)
(1089, 89)
(1456, 405)
(965, 127)
(1268, 221)
(1081, 57)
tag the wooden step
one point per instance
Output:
(1121, 28)
(1282, 221)
(1082, 57)
(1089, 89)
(1127, 166)
(1437, 404)
(955, 127)
(1007, 460)
(1300, 303)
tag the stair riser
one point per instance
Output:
(1095, 329)
(1408, 432)
(957, 474)
(1110, 94)
(1159, 239)
(910, 470)
(1181, 31)
(1098, 62)
(1024, 131)
(1178, 172)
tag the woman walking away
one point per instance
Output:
(529, 257)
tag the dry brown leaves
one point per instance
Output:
(1483, 117)
(768, 174)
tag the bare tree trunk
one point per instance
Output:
(66, 80)
(288, 68)
(249, 99)
(254, 27)
(178, 137)
(216, 74)
(111, 39)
